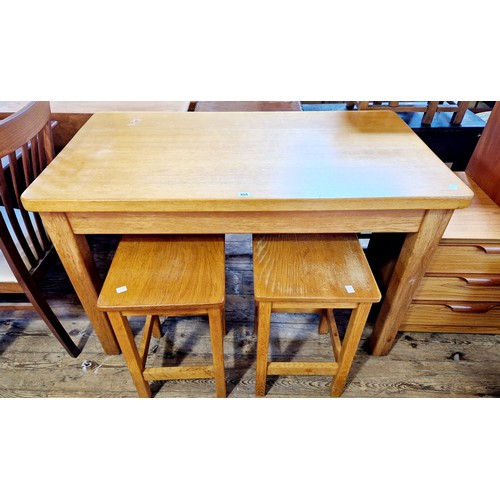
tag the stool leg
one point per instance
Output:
(216, 321)
(156, 327)
(334, 334)
(263, 321)
(353, 334)
(127, 344)
(323, 323)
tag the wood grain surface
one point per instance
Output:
(162, 272)
(312, 268)
(481, 220)
(196, 162)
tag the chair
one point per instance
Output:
(166, 275)
(26, 147)
(428, 108)
(248, 106)
(311, 274)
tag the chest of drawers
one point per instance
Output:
(460, 291)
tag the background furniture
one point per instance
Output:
(26, 148)
(311, 273)
(453, 144)
(174, 276)
(460, 291)
(247, 173)
(484, 166)
(72, 115)
(247, 106)
(429, 108)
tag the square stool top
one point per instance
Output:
(150, 272)
(308, 267)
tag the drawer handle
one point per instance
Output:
(482, 281)
(471, 308)
(491, 249)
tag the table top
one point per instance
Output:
(90, 107)
(244, 161)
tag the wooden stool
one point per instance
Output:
(311, 273)
(166, 275)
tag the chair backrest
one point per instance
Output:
(26, 148)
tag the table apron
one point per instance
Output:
(245, 222)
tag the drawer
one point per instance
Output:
(453, 317)
(468, 288)
(463, 259)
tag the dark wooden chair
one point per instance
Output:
(26, 148)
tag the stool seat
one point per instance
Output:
(304, 268)
(311, 273)
(166, 272)
(166, 275)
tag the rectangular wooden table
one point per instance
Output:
(266, 172)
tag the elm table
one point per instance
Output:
(247, 173)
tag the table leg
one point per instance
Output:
(414, 258)
(77, 259)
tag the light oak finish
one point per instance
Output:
(417, 251)
(184, 265)
(301, 269)
(300, 273)
(474, 257)
(460, 292)
(251, 162)
(161, 275)
(252, 222)
(248, 173)
(460, 317)
(72, 115)
(75, 254)
(468, 287)
(480, 222)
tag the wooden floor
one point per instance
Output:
(32, 364)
